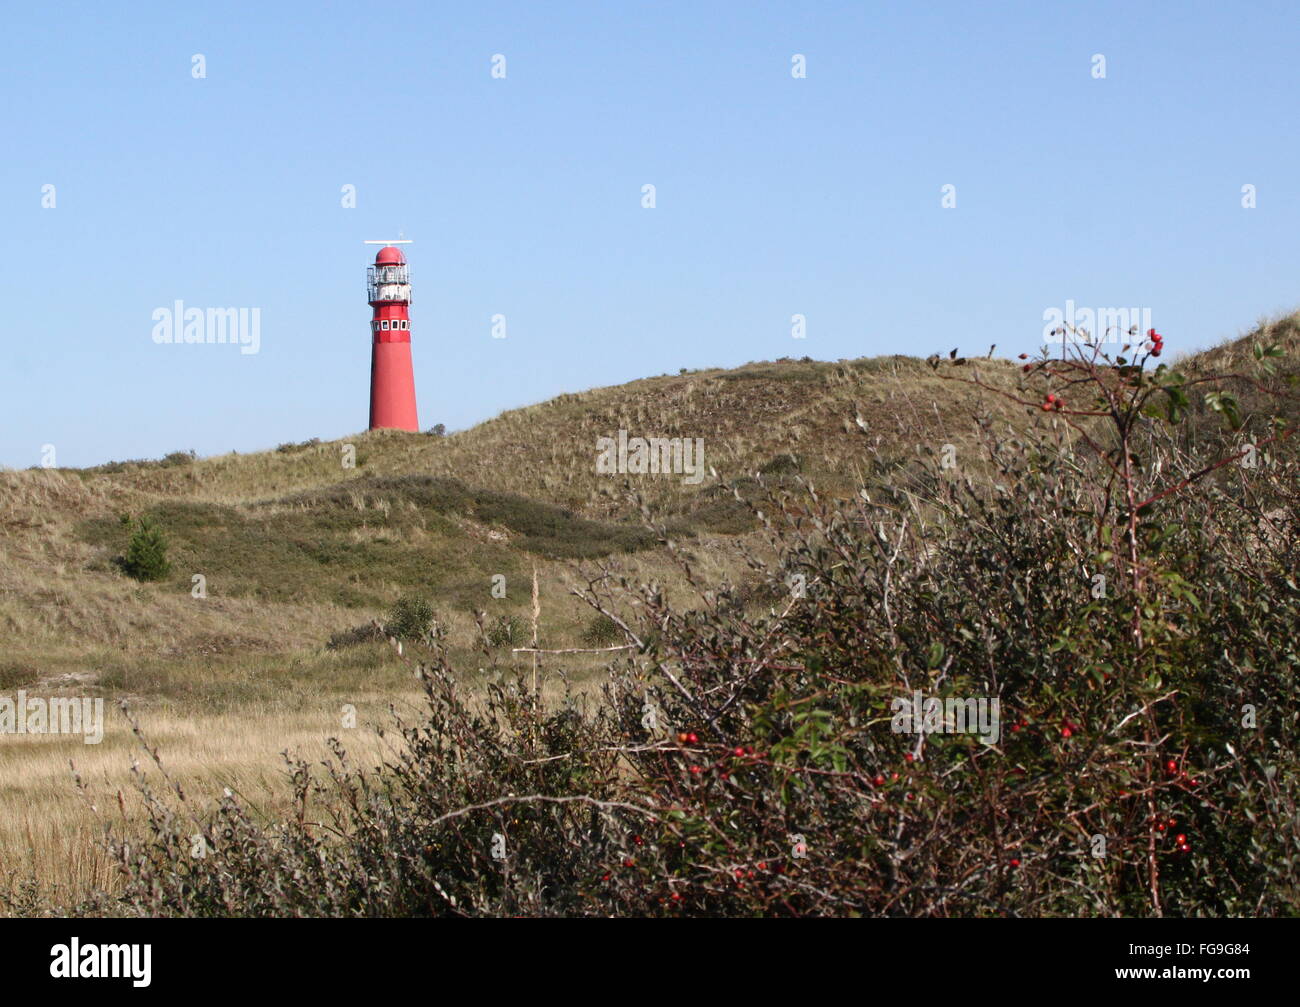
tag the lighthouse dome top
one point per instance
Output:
(390, 255)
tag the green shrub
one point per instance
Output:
(602, 631)
(146, 552)
(507, 631)
(410, 618)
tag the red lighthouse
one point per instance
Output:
(392, 378)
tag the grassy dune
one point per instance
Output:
(295, 548)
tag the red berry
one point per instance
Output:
(692, 738)
(1171, 767)
(908, 756)
(1066, 732)
(682, 739)
(879, 781)
(738, 753)
(676, 896)
(1024, 356)
(1180, 838)
(1051, 397)
(1047, 407)
(1015, 727)
(696, 770)
(629, 862)
(1015, 862)
(1160, 826)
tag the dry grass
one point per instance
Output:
(49, 832)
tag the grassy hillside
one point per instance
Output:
(296, 548)
(316, 544)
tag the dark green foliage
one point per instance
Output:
(541, 527)
(602, 631)
(411, 618)
(146, 552)
(507, 631)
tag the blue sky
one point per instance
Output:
(775, 196)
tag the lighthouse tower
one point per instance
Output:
(392, 378)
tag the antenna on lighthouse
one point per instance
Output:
(394, 241)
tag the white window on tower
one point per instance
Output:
(384, 325)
